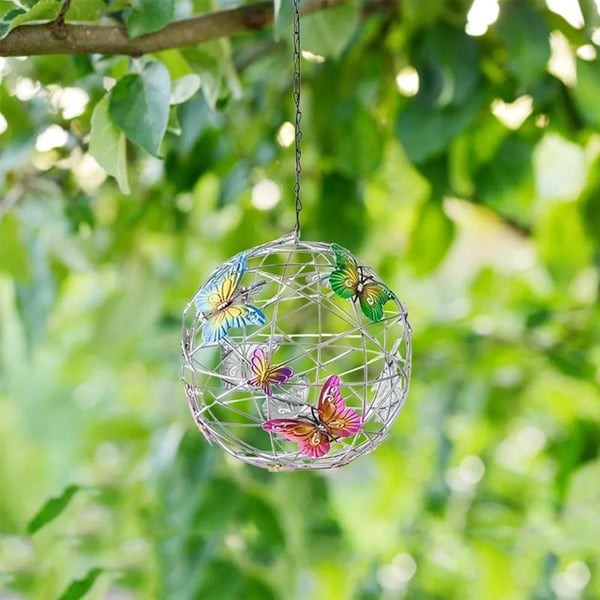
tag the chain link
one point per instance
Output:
(297, 131)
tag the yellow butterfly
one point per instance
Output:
(222, 301)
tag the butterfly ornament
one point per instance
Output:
(235, 359)
(265, 374)
(348, 280)
(223, 302)
(330, 420)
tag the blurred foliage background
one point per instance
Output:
(453, 145)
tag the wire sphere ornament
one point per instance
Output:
(295, 356)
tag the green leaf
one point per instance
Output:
(214, 63)
(589, 202)
(342, 123)
(44, 10)
(220, 580)
(85, 10)
(139, 105)
(14, 257)
(571, 448)
(459, 166)
(174, 125)
(176, 62)
(363, 158)
(7, 19)
(210, 76)
(184, 88)
(6, 7)
(108, 145)
(587, 90)
(431, 238)
(581, 516)
(525, 33)
(494, 563)
(591, 15)
(328, 32)
(218, 505)
(486, 136)
(52, 509)
(149, 15)
(79, 212)
(445, 66)
(80, 587)
(425, 133)
(559, 226)
(341, 211)
(256, 589)
(419, 14)
(506, 183)
(583, 488)
(283, 12)
(269, 542)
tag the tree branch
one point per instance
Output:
(31, 40)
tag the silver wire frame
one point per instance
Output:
(318, 334)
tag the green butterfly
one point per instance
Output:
(348, 280)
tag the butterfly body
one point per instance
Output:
(329, 420)
(349, 280)
(224, 305)
(223, 302)
(265, 374)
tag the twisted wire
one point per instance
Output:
(296, 80)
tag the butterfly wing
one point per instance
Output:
(339, 419)
(345, 278)
(280, 374)
(311, 441)
(265, 374)
(259, 365)
(372, 298)
(221, 289)
(234, 315)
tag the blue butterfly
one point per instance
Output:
(223, 303)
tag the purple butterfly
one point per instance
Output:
(266, 374)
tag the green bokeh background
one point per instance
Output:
(489, 485)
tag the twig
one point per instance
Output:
(59, 22)
(64, 9)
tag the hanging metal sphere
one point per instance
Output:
(295, 356)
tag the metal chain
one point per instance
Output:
(297, 131)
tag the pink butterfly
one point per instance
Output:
(266, 374)
(331, 419)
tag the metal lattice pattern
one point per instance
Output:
(310, 329)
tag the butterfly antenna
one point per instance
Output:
(315, 414)
(245, 292)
